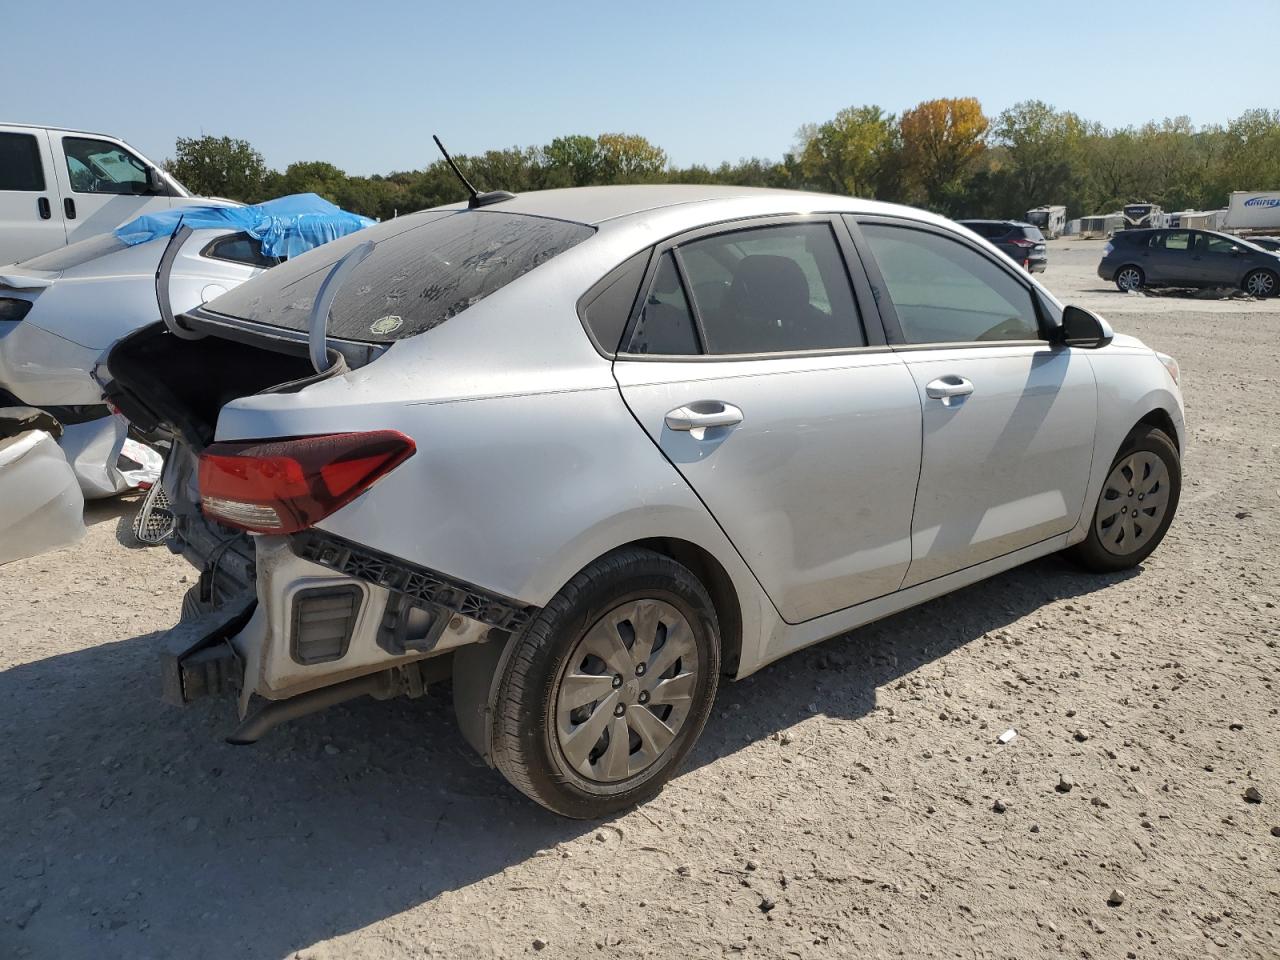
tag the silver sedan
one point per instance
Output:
(588, 451)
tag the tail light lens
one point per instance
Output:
(1022, 242)
(287, 485)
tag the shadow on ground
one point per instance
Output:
(135, 831)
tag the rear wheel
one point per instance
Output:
(1136, 505)
(1130, 277)
(603, 694)
(1261, 283)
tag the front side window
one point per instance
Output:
(772, 289)
(97, 166)
(944, 292)
(1212, 244)
(20, 167)
(424, 269)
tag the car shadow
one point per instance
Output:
(133, 828)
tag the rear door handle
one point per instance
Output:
(702, 414)
(944, 388)
(69, 208)
(42, 205)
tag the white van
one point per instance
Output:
(58, 186)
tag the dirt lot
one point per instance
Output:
(852, 787)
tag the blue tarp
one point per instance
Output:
(286, 227)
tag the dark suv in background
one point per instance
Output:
(1021, 242)
(1189, 258)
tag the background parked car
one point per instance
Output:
(1189, 258)
(61, 311)
(60, 186)
(1023, 243)
(1271, 244)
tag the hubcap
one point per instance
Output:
(1133, 503)
(610, 730)
(1129, 279)
(1261, 284)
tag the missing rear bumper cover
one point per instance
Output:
(422, 587)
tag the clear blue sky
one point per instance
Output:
(364, 85)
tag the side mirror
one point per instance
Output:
(1083, 328)
(156, 183)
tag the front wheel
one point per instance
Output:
(607, 689)
(1129, 278)
(1261, 283)
(1136, 505)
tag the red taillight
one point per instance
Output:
(286, 485)
(1023, 243)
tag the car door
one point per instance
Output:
(1216, 260)
(1170, 260)
(768, 385)
(1008, 417)
(29, 222)
(103, 184)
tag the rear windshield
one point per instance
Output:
(1032, 233)
(424, 269)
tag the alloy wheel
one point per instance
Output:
(1260, 284)
(626, 690)
(1133, 503)
(1129, 279)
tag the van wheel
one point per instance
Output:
(1136, 505)
(607, 689)
(1261, 283)
(1129, 278)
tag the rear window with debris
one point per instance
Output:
(424, 269)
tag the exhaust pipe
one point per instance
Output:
(380, 686)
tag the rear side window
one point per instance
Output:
(1177, 240)
(424, 269)
(772, 290)
(944, 292)
(20, 167)
(240, 248)
(665, 322)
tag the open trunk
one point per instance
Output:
(178, 386)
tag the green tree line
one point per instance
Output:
(944, 154)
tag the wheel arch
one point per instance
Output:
(1159, 417)
(724, 595)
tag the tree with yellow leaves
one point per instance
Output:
(941, 143)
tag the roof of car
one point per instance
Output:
(45, 126)
(596, 205)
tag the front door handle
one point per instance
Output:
(42, 205)
(69, 208)
(702, 414)
(944, 388)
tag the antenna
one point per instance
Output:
(477, 199)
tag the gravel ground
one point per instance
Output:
(850, 800)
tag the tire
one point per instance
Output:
(1120, 541)
(549, 748)
(1130, 277)
(1261, 283)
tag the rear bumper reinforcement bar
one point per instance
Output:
(411, 580)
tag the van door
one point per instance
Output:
(30, 221)
(103, 185)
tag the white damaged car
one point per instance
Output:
(61, 311)
(588, 451)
